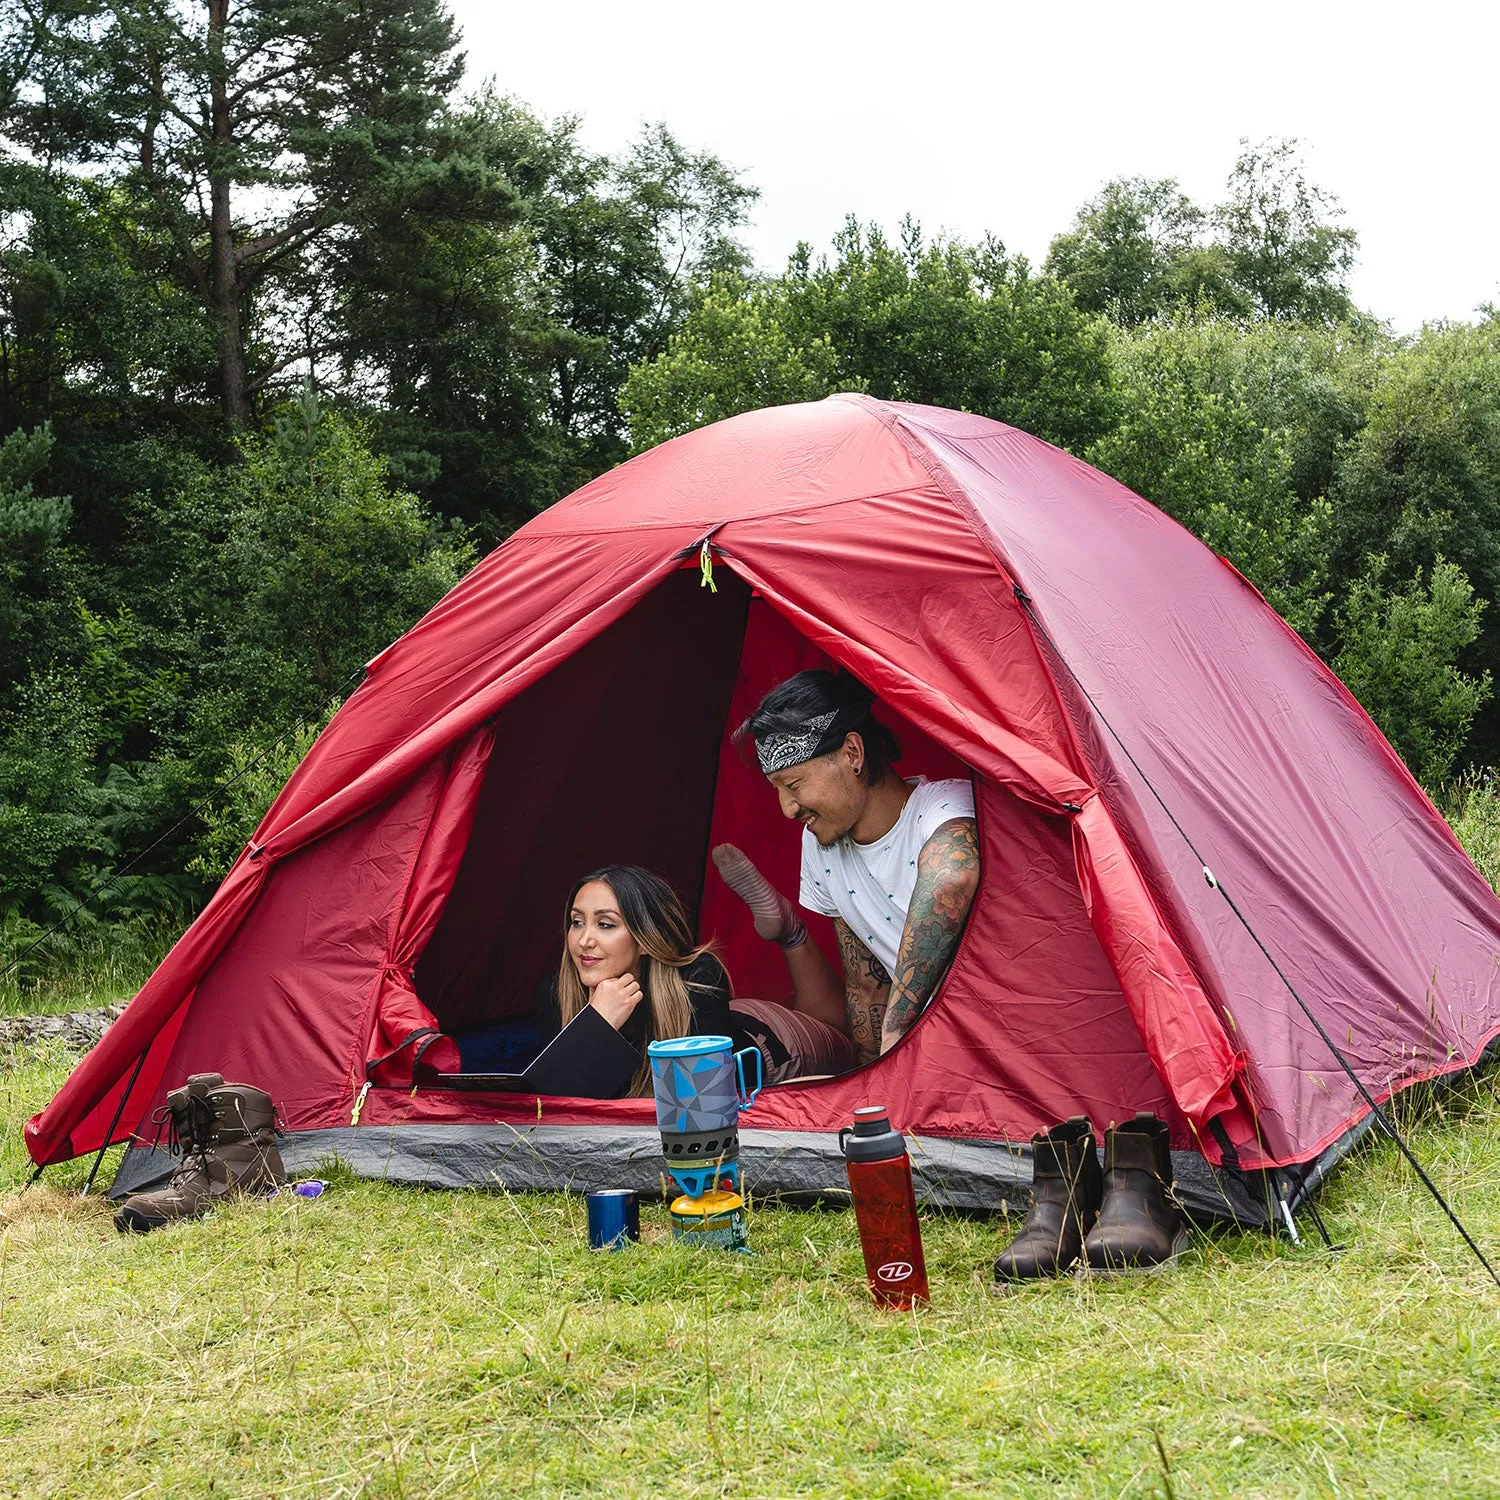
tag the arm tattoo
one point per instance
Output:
(947, 877)
(866, 987)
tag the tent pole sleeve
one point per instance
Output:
(109, 1134)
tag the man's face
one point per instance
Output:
(825, 793)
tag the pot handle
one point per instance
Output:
(748, 1096)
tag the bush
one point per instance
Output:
(1400, 646)
(1471, 805)
(236, 602)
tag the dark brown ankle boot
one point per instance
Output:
(1139, 1229)
(244, 1138)
(188, 1191)
(227, 1135)
(1065, 1191)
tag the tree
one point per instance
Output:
(1420, 480)
(1142, 249)
(96, 340)
(1400, 648)
(36, 576)
(735, 355)
(1137, 250)
(1280, 239)
(244, 136)
(238, 600)
(1199, 435)
(954, 324)
(957, 325)
(495, 353)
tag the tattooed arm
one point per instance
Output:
(947, 877)
(866, 989)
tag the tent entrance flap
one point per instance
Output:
(623, 755)
(611, 758)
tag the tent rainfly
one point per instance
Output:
(1184, 817)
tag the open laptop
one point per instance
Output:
(587, 1059)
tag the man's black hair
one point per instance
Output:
(790, 705)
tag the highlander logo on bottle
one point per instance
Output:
(894, 1270)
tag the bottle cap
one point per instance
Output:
(871, 1138)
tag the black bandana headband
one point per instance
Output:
(779, 750)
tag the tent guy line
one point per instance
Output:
(1215, 883)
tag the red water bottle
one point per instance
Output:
(885, 1208)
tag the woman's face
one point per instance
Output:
(599, 942)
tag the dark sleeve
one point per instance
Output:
(708, 992)
(546, 1011)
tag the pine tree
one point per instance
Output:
(248, 135)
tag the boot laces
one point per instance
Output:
(194, 1148)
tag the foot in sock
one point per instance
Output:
(775, 917)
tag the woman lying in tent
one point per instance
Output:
(629, 953)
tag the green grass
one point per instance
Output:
(99, 965)
(389, 1342)
(384, 1341)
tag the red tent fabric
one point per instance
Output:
(1114, 688)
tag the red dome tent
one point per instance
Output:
(1122, 697)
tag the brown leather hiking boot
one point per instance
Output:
(190, 1117)
(1139, 1228)
(244, 1137)
(1066, 1187)
(227, 1136)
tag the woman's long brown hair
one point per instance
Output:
(656, 920)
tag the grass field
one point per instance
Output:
(384, 1341)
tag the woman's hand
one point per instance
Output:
(616, 999)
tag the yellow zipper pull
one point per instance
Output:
(359, 1104)
(706, 566)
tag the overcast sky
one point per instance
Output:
(976, 117)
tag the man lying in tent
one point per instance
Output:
(895, 863)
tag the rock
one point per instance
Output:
(78, 1030)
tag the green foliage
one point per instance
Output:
(956, 325)
(1471, 804)
(1420, 479)
(500, 351)
(199, 204)
(260, 772)
(323, 562)
(736, 354)
(47, 794)
(1280, 240)
(240, 138)
(35, 568)
(236, 602)
(963, 326)
(1200, 435)
(85, 965)
(1137, 250)
(1142, 248)
(1399, 649)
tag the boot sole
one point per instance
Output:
(1003, 1286)
(133, 1221)
(1179, 1244)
